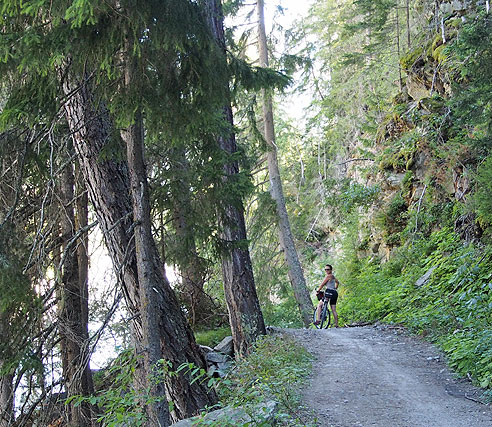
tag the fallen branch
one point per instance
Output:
(355, 160)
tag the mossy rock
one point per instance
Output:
(407, 183)
(436, 42)
(454, 23)
(400, 101)
(400, 154)
(433, 104)
(411, 58)
(439, 54)
(402, 159)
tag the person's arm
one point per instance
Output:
(323, 283)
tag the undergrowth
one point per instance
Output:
(273, 371)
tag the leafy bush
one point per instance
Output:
(393, 219)
(362, 296)
(356, 195)
(118, 402)
(284, 314)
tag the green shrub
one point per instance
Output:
(392, 219)
(117, 400)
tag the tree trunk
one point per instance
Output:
(109, 190)
(6, 379)
(72, 322)
(148, 270)
(6, 400)
(407, 9)
(245, 316)
(81, 222)
(296, 274)
(6, 386)
(400, 78)
(191, 267)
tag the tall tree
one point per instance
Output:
(6, 385)
(109, 190)
(73, 303)
(296, 274)
(174, 194)
(245, 316)
(20, 318)
(149, 271)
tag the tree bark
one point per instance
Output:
(81, 222)
(400, 78)
(6, 388)
(148, 269)
(6, 400)
(245, 316)
(73, 322)
(191, 267)
(108, 183)
(407, 9)
(286, 238)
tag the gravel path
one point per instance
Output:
(379, 376)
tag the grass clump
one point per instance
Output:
(211, 337)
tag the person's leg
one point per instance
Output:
(335, 314)
(318, 311)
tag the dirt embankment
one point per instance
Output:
(379, 376)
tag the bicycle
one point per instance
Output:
(325, 317)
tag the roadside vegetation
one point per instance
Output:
(272, 374)
(452, 307)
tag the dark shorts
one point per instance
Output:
(332, 295)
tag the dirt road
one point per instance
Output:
(377, 376)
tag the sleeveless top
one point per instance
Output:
(331, 284)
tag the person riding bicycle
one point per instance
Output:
(331, 283)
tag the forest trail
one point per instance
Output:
(379, 376)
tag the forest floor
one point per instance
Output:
(381, 376)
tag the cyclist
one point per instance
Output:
(331, 283)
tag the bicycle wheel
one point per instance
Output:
(325, 317)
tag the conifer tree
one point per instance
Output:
(183, 223)
(296, 274)
(246, 318)
(110, 194)
(24, 335)
(73, 302)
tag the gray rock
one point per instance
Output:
(226, 346)
(215, 357)
(425, 278)
(416, 88)
(213, 371)
(205, 349)
(224, 367)
(265, 411)
(395, 180)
